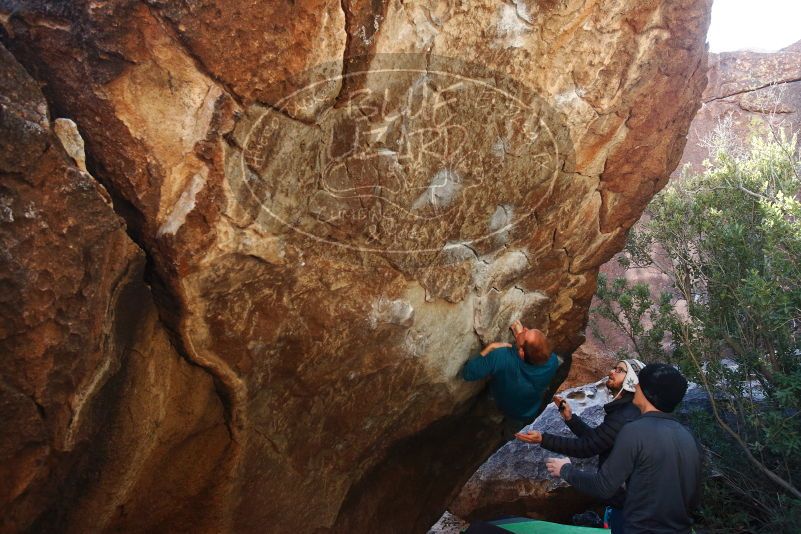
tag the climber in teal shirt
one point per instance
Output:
(520, 375)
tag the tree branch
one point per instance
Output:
(743, 445)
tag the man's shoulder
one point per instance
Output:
(506, 352)
(549, 366)
(683, 430)
(503, 355)
(634, 429)
(553, 362)
(624, 411)
(629, 411)
(651, 421)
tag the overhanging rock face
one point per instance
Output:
(96, 404)
(339, 202)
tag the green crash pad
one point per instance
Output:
(520, 525)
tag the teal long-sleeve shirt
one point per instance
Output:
(517, 386)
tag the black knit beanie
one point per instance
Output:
(663, 385)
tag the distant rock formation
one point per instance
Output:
(333, 204)
(747, 91)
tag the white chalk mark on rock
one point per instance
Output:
(184, 205)
(444, 187)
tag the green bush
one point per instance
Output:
(729, 242)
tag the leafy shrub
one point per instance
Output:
(729, 242)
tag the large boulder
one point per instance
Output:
(339, 202)
(102, 419)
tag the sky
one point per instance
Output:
(759, 25)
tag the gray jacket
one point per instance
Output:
(660, 461)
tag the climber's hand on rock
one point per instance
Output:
(531, 436)
(516, 327)
(563, 406)
(555, 465)
(492, 346)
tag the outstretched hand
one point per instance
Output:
(492, 346)
(563, 406)
(555, 465)
(531, 436)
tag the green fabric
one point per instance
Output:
(544, 527)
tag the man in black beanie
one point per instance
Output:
(655, 455)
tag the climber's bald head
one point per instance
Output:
(532, 345)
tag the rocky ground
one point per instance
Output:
(449, 524)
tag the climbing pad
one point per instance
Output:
(520, 525)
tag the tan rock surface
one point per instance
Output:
(588, 366)
(102, 420)
(330, 249)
